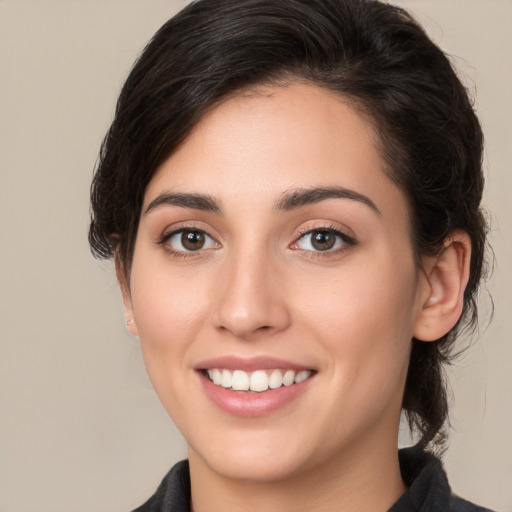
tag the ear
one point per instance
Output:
(442, 289)
(122, 279)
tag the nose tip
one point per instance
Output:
(244, 324)
(251, 303)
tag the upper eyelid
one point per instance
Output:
(185, 226)
(170, 231)
(168, 235)
(342, 231)
(174, 232)
(348, 240)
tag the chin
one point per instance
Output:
(257, 469)
(252, 460)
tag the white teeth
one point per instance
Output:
(303, 375)
(240, 381)
(226, 379)
(275, 380)
(257, 381)
(288, 378)
(216, 376)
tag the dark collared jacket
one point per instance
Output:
(428, 489)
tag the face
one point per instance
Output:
(273, 286)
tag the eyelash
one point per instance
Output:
(183, 228)
(347, 241)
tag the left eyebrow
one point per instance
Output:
(185, 200)
(305, 196)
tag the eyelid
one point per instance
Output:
(347, 240)
(175, 229)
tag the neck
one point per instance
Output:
(352, 481)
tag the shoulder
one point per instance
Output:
(459, 505)
(428, 488)
(173, 494)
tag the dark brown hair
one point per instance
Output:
(373, 54)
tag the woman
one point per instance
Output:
(291, 192)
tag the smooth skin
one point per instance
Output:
(253, 282)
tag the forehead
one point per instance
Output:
(264, 142)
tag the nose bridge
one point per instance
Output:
(249, 299)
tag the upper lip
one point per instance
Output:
(250, 364)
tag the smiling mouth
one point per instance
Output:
(256, 381)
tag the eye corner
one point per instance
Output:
(198, 241)
(333, 239)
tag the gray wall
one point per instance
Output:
(80, 428)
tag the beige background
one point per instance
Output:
(80, 428)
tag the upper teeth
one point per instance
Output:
(259, 380)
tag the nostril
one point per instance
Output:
(246, 312)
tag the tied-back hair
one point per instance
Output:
(374, 55)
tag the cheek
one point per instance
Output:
(364, 318)
(164, 317)
(167, 309)
(360, 297)
(167, 314)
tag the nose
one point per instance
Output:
(250, 297)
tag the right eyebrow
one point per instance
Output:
(201, 202)
(296, 198)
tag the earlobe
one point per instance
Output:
(444, 281)
(127, 299)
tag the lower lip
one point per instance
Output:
(243, 403)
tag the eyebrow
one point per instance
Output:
(185, 200)
(290, 200)
(302, 197)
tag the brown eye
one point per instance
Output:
(189, 240)
(323, 240)
(192, 240)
